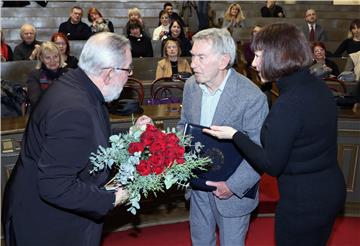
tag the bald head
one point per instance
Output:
(28, 33)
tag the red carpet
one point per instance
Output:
(345, 233)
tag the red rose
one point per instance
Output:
(157, 146)
(135, 147)
(156, 159)
(143, 168)
(171, 138)
(170, 157)
(180, 160)
(179, 151)
(151, 128)
(159, 169)
(147, 138)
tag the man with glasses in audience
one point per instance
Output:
(51, 198)
(74, 28)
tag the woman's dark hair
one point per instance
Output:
(175, 40)
(133, 25)
(354, 23)
(93, 11)
(285, 50)
(182, 33)
(61, 35)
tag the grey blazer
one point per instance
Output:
(242, 106)
(320, 34)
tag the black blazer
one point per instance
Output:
(51, 198)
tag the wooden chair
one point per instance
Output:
(166, 90)
(338, 87)
(133, 89)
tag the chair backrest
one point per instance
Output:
(166, 90)
(338, 87)
(133, 89)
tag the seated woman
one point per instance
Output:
(329, 66)
(233, 19)
(134, 15)
(353, 64)
(172, 64)
(177, 31)
(98, 23)
(140, 43)
(63, 43)
(248, 53)
(49, 68)
(6, 51)
(163, 29)
(351, 44)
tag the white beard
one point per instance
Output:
(112, 92)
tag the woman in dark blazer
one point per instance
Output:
(299, 139)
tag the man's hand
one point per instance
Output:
(222, 190)
(121, 196)
(143, 120)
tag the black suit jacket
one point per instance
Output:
(51, 198)
(79, 31)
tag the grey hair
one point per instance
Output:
(222, 42)
(23, 27)
(103, 50)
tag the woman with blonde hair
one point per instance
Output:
(172, 64)
(50, 66)
(233, 18)
(134, 15)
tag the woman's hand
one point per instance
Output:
(221, 132)
(143, 120)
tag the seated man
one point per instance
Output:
(28, 49)
(74, 28)
(168, 7)
(312, 30)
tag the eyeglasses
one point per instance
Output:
(128, 70)
(60, 44)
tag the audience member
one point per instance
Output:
(51, 197)
(177, 31)
(271, 9)
(248, 53)
(49, 68)
(134, 15)
(353, 64)
(351, 44)
(217, 94)
(140, 43)
(172, 64)
(6, 51)
(63, 43)
(98, 23)
(319, 51)
(29, 47)
(74, 28)
(162, 30)
(168, 7)
(233, 19)
(312, 30)
(299, 139)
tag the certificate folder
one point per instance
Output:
(224, 155)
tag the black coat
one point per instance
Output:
(299, 147)
(79, 31)
(51, 198)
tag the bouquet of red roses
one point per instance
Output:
(149, 160)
